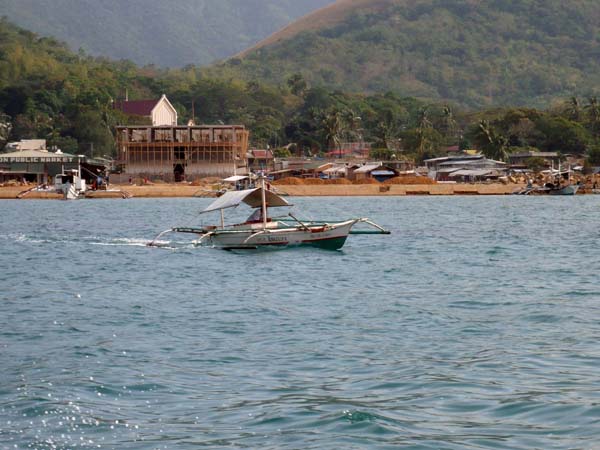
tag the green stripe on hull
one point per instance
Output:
(327, 244)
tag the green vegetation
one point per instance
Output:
(46, 91)
(165, 33)
(476, 54)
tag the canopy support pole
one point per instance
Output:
(264, 201)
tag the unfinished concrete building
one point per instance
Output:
(182, 153)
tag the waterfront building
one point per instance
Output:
(180, 153)
(153, 146)
(376, 171)
(261, 160)
(519, 160)
(41, 166)
(464, 168)
(359, 149)
(26, 144)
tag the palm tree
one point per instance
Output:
(423, 124)
(449, 122)
(385, 132)
(494, 145)
(593, 109)
(574, 108)
(332, 126)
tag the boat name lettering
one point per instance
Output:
(276, 238)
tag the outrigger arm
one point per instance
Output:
(379, 229)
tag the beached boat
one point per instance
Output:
(260, 230)
(569, 189)
(561, 185)
(549, 189)
(70, 184)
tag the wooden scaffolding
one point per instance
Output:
(182, 153)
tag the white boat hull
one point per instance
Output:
(330, 236)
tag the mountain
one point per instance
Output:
(472, 52)
(165, 33)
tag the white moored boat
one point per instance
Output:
(260, 230)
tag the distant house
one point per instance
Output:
(464, 168)
(376, 171)
(260, 160)
(27, 144)
(400, 165)
(157, 113)
(350, 149)
(519, 160)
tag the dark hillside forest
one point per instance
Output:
(47, 91)
(473, 53)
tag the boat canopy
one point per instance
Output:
(251, 197)
(235, 178)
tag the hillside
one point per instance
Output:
(471, 52)
(49, 92)
(171, 34)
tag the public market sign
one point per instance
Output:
(36, 159)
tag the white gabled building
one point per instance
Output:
(158, 112)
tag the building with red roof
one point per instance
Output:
(158, 113)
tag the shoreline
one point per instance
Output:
(361, 190)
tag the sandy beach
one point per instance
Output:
(186, 190)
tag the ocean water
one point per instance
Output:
(475, 325)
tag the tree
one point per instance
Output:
(385, 133)
(573, 108)
(5, 129)
(332, 126)
(492, 144)
(593, 155)
(297, 84)
(424, 125)
(535, 164)
(593, 113)
(449, 123)
(422, 144)
(560, 134)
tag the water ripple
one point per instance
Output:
(474, 325)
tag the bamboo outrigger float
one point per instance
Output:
(260, 230)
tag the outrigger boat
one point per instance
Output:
(260, 230)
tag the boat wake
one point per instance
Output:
(26, 239)
(124, 242)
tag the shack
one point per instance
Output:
(441, 169)
(375, 171)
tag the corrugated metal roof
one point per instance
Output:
(262, 154)
(534, 155)
(476, 162)
(336, 169)
(367, 168)
(38, 154)
(471, 173)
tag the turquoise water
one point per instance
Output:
(474, 325)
